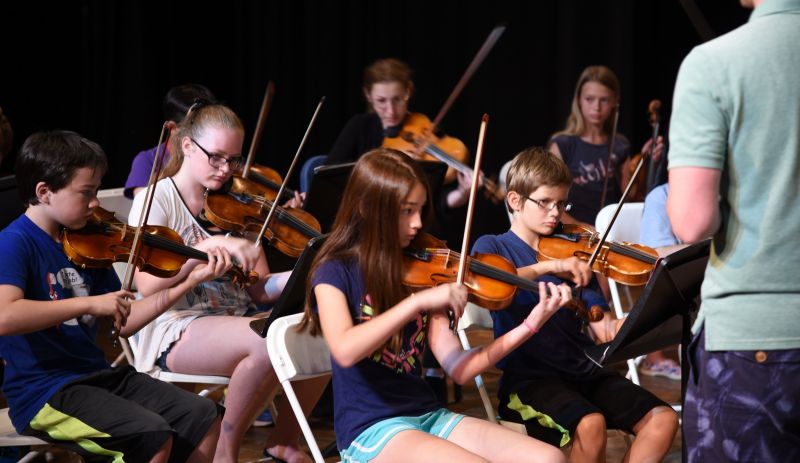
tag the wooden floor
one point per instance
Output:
(470, 405)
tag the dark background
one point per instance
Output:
(102, 67)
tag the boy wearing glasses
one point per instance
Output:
(548, 384)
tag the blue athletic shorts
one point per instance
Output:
(369, 443)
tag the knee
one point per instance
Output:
(591, 431)
(664, 421)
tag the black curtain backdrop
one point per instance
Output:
(102, 67)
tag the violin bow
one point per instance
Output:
(273, 208)
(462, 266)
(136, 244)
(632, 180)
(487, 46)
(266, 103)
(610, 152)
(655, 122)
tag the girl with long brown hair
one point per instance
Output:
(376, 330)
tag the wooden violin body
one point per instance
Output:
(491, 280)
(105, 240)
(626, 263)
(261, 181)
(289, 229)
(416, 138)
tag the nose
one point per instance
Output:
(416, 221)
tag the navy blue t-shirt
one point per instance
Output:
(38, 364)
(587, 163)
(383, 386)
(557, 349)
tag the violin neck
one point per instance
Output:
(437, 152)
(491, 271)
(287, 192)
(169, 245)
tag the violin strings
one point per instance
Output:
(285, 216)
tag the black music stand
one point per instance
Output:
(293, 297)
(662, 315)
(325, 193)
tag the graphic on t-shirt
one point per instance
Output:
(70, 280)
(216, 296)
(411, 347)
(592, 172)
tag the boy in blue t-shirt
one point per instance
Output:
(58, 384)
(548, 383)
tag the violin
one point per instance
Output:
(244, 213)
(105, 240)
(417, 138)
(626, 263)
(491, 280)
(264, 181)
(643, 185)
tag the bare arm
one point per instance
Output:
(350, 343)
(19, 315)
(572, 269)
(693, 202)
(463, 365)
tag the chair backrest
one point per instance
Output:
(114, 200)
(297, 355)
(626, 227)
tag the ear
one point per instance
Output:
(43, 193)
(515, 200)
(366, 95)
(186, 145)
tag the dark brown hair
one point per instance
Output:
(366, 229)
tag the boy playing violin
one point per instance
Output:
(548, 384)
(59, 386)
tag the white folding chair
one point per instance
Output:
(10, 438)
(114, 200)
(296, 356)
(476, 317)
(625, 229)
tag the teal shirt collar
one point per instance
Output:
(775, 7)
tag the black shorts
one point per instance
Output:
(551, 408)
(121, 415)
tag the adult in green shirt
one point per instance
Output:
(733, 174)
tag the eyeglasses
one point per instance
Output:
(217, 160)
(563, 206)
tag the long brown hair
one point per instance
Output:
(200, 117)
(575, 122)
(367, 229)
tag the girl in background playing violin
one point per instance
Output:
(583, 145)
(548, 383)
(376, 330)
(207, 332)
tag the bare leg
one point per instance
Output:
(417, 446)
(227, 346)
(162, 456)
(308, 393)
(589, 441)
(654, 435)
(204, 452)
(498, 444)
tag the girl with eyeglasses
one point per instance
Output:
(207, 332)
(583, 145)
